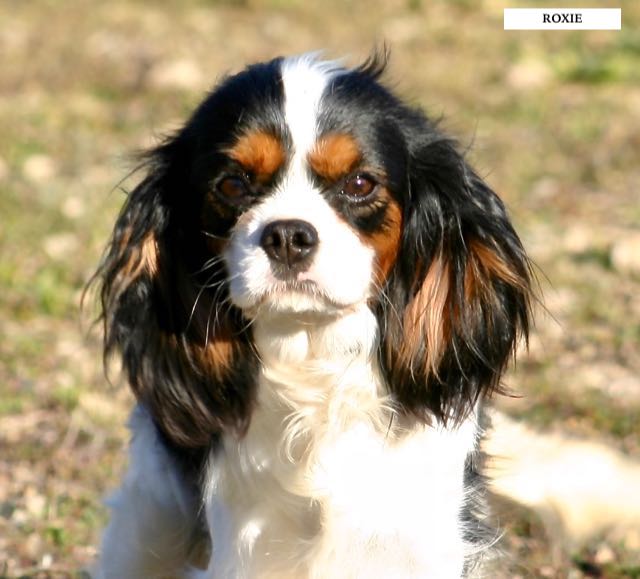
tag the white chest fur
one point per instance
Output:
(326, 483)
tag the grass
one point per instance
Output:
(551, 117)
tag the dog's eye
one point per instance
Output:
(233, 188)
(358, 186)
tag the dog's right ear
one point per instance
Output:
(165, 311)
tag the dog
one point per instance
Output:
(311, 293)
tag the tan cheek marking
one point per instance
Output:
(260, 153)
(211, 339)
(213, 357)
(386, 243)
(217, 355)
(334, 156)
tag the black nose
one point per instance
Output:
(290, 243)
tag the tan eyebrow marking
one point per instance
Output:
(334, 156)
(260, 153)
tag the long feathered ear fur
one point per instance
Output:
(459, 296)
(164, 310)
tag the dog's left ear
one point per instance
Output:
(459, 294)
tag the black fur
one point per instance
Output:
(449, 208)
(162, 318)
(188, 352)
(446, 208)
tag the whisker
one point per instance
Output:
(216, 259)
(215, 284)
(195, 302)
(217, 304)
(213, 235)
(247, 325)
(388, 301)
(206, 338)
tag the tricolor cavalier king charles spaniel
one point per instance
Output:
(311, 292)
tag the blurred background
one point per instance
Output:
(552, 120)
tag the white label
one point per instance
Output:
(562, 18)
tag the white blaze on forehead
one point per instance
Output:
(342, 265)
(305, 79)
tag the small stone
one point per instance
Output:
(47, 561)
(39, 168)
(578, 239)
(625, 254)
(60, 245)
(35, 503)
(19, 517)
(529, 74)
(180, 74)
(604, 555)
(73, 207)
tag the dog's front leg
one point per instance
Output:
(154, 514)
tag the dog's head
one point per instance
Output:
(298, 188)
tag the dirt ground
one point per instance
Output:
(552, 121)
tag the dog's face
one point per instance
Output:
(299, 187)
(303, 190)
(302, 245)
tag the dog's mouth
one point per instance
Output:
(296, 285)
(297, 297)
